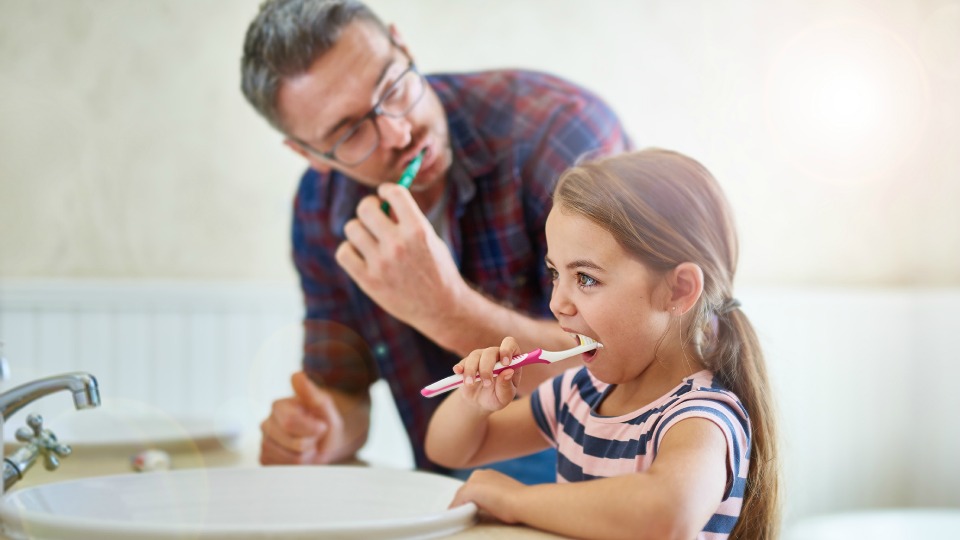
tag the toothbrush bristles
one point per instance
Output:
(586, 340)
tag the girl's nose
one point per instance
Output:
(394, 132)
(560, 303)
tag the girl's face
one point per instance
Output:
(601, 291)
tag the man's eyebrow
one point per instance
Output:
(344, 121)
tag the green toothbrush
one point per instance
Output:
(407, 177)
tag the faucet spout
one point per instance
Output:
(83, 386)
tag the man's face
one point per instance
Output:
(341, 87)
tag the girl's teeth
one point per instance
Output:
(584, 340)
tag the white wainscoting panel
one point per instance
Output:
(186, 348)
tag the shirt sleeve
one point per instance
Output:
(727, 414)
(570, 129)
(334, 354)
(545, 403)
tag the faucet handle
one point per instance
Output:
(44, 440)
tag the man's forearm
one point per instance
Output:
(473, 321)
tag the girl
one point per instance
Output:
(667, 431)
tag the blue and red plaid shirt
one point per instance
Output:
(512, 134)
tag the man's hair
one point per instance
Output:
(285, 39)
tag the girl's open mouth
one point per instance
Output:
(584, 340)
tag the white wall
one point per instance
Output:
(128, 150)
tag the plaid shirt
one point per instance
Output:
(512, 134)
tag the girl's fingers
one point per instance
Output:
(509, 348)
(488, 360)
(471, 367)
(505, 386)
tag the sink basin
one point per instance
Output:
(295, 502)
(124, 426)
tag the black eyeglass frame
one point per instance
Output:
(371, 115)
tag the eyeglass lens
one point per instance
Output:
(399, 100)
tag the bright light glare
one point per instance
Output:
(846, 101)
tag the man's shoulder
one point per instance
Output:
(309, 188)
(506, 83)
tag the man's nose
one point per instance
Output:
(395, 132)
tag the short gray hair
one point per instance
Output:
(285, 39)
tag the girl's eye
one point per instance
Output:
(554, 275)
(584, 280)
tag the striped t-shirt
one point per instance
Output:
(592, 446)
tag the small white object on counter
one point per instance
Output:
(150, 460)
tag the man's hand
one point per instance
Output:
(310, 427)
(401, 264)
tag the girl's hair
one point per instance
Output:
(666, 209)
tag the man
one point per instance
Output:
(455, 263)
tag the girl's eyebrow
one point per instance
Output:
(583, 263)
(579, 263)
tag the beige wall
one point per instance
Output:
(127, 151)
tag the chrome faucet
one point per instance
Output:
(86, 394)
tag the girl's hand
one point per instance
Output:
(491, 491)
(490, 393)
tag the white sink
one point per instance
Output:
(293, 502)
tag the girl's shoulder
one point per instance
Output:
(705, 385)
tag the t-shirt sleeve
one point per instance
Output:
(545, 403)
(727, 414)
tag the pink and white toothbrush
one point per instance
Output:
(538, 356)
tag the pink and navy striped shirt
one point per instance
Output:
(592, 446)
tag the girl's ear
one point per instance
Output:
(686, 286)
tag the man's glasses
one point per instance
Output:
(363, 137)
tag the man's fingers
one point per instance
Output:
(293, 418)
(319, 402)
(370, 214)
(361, 237)
(272, 453)
(350, 260)
(401, 202)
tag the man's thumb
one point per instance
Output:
(305, 390)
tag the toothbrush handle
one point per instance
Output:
(455, 381)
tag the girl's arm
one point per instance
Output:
(480, 422)
(461, 436)
(673, 499)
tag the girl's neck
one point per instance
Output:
(653, 383)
